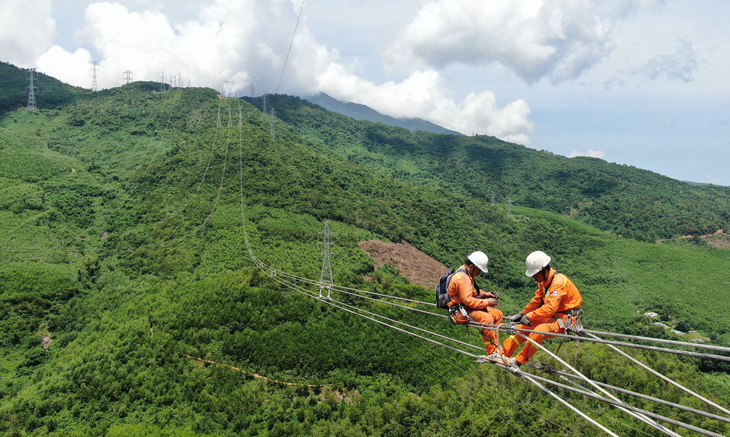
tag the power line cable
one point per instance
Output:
(290, 46)
(623, 406)
(405, 331)
(628, 409)
(593, 395)
(274, 273)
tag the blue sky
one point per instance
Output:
(642, 83)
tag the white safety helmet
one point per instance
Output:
(480, 260)
(535, 262)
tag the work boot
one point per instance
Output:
(500, 359)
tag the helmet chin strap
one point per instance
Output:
(472, 270)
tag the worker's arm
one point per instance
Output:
(553, 297)
(535, 303)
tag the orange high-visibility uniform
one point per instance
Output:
(556, 295)
(462, 290)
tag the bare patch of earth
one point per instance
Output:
(718, 240)
(414, 265)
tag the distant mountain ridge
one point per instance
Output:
(363, 112)
(628, 201)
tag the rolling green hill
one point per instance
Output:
(51, 92)
(122, 255)
(622, 199)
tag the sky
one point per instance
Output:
(641, 83)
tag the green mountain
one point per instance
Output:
(125, 278)
(51, 92)
(622, 199)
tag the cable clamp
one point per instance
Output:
(576, 327)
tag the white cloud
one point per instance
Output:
(558, 39)
(232, 44)
(239, 41)
(424, 94)
(65, 66)
(590, 153)
(143, 42)
(27, 29)
(681, 65)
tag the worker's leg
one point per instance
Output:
(493, 336)
(496, 314)
(513, 342)
(490, 316)
(549, 325)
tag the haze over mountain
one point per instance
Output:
(362, 112)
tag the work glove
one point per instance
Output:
(525, 321)
(515, 318)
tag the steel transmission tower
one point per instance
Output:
(228, 87)
(127, 76)
(326, 276)
(31, 89)
(94, 64)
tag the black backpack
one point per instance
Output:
(442, 289)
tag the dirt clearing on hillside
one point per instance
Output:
(413, 264)
(718, 240)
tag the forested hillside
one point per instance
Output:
(124, 265)
(51, 92)
(622, 199)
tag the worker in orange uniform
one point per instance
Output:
(467, 303)
(555, 305)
